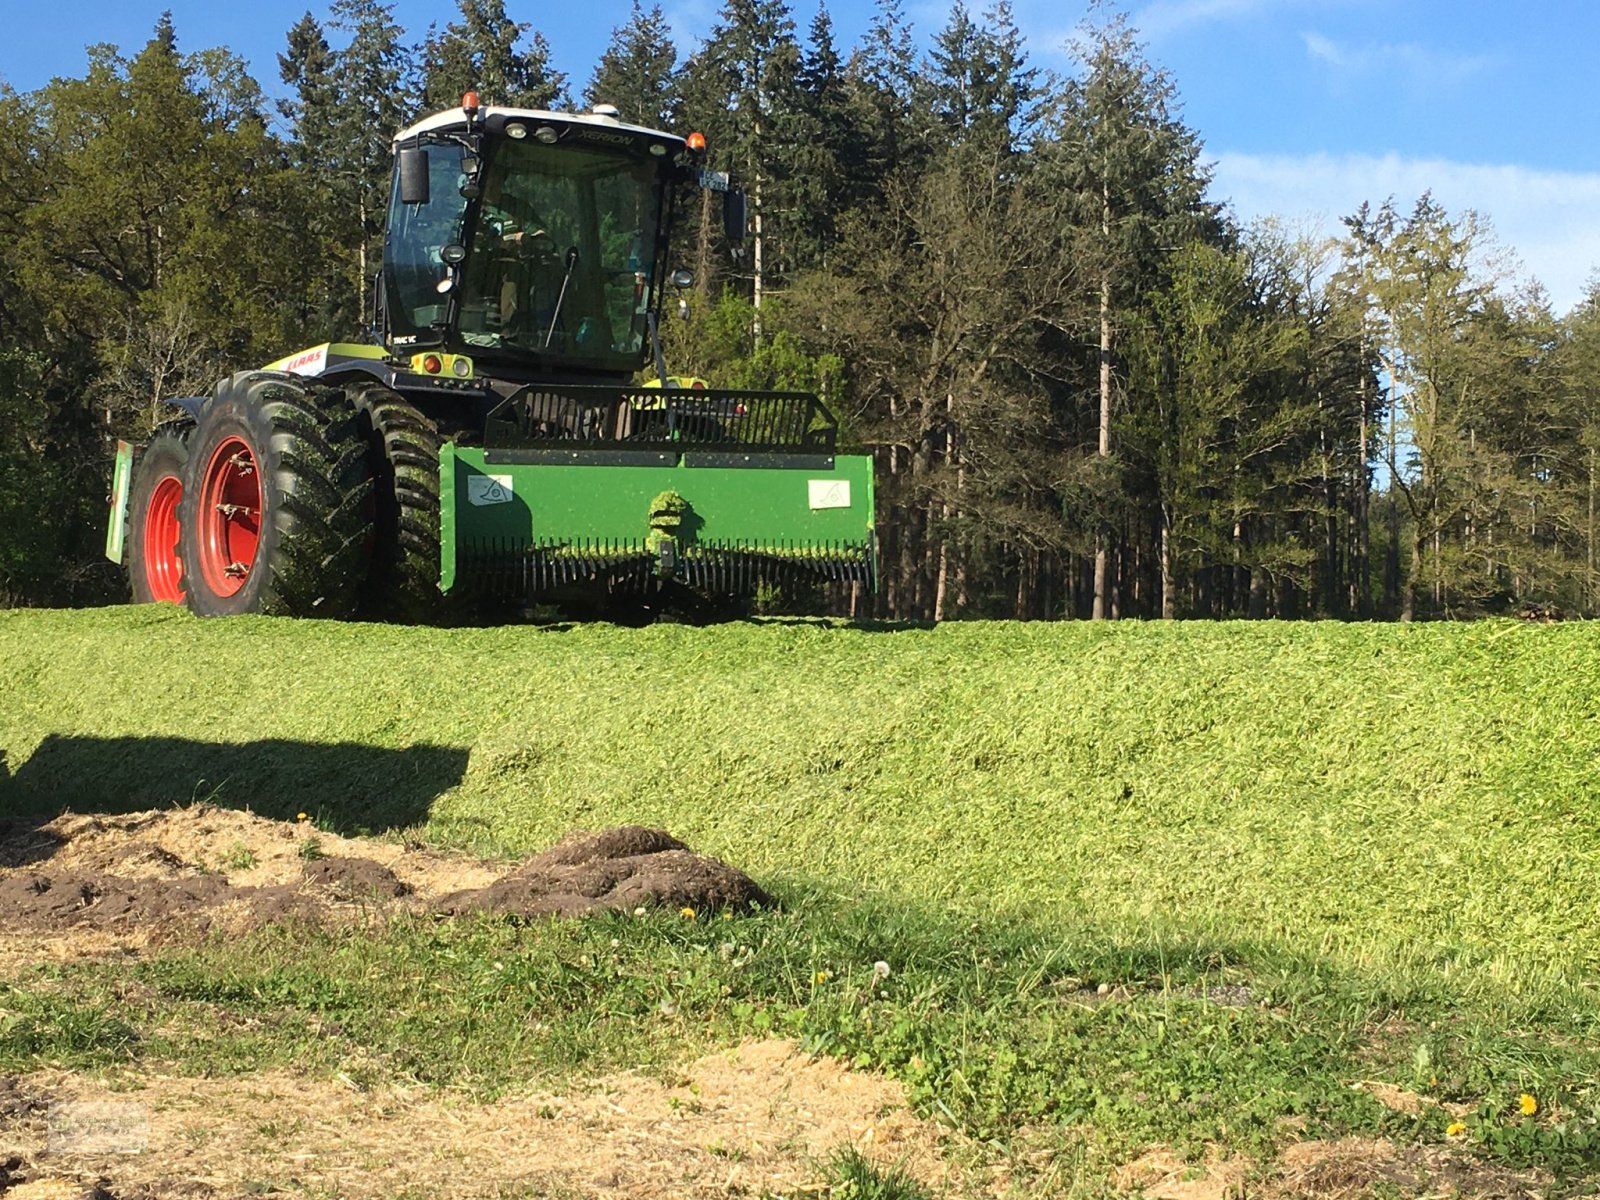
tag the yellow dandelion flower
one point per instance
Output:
(1455, 1129)
(300, 816)
(686, 913)
(1527, 1104)
(824, 976)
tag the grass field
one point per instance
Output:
(1294, 857)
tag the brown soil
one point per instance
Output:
(620, 868)
(1359, 1167)
(1343, 1169)
(97, 884)
(751, 1121)
(756, 1119)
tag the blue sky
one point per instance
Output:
(1306, 107)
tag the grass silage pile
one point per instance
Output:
(1121, 905)
(1381, 794)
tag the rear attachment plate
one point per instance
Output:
(117, 530)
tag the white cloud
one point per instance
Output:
(1163, 17)
(690, 21)
(1549, 219)
(1169, 16)
(1409, 60)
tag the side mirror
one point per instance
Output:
(413, 170)
(734, 219)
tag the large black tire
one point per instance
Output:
(275, 500)
(402, 581)
(155, 572)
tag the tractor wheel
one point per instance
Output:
(155, 571)
(274, 501)
(402, 582)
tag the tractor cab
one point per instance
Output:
(531, 241)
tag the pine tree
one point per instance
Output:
(483, 51)
(638, 72)
(741, 91)
(1116, 145)
(373, 105)
(977, 83)
(307, 66)
(883, 77)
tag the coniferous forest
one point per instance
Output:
(1090, 391)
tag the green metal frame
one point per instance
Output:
(784, 513)
(117, 529)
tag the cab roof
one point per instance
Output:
(499, 117)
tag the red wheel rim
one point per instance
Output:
(229, 517)
(162, 569)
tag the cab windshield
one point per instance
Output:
(413, 239)
(560, 255)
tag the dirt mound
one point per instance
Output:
(146, 877)
(625, 841)
(619, 869)
(355, 879)
(31, 899)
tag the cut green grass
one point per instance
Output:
(1400, 798)
(1300, 857)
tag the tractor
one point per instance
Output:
(491, 438)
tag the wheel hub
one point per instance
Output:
(163, 570)
(229, 513)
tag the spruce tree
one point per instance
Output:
(741, 91)
(883, 77)
(373, 106)
(1116, 145)
(831, 175)
(307, 66)
(638, 72)
(485, 51)
(977, 83)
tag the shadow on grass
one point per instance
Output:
(347, 787)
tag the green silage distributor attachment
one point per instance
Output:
(720, 491)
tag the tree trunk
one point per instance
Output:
(1588, 582)
(1331, 583)
(1414, 578)
(702, 250)
(1361, 570)
(1169, 585)
(1391, 572)
(361, 248)
(1104, 450)
(1259, 594)
(757, 257)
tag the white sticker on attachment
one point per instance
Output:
(489, 489)
(829, 493)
